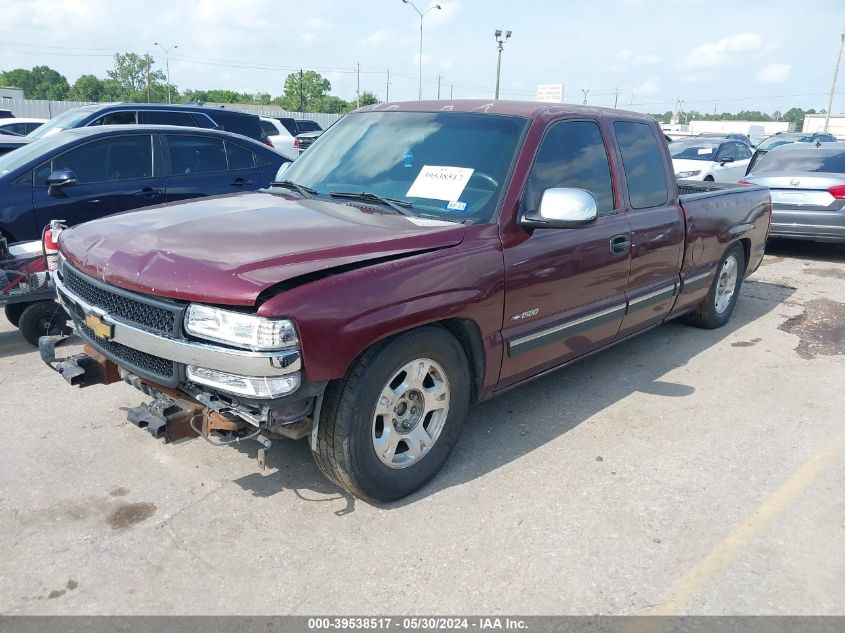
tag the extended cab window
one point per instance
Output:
(195, 155)
(572, 155)
(120, 158)
(645, 169)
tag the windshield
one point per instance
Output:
(26, 153)
(64, 121)
(777, 141)
(694, 150)
(447, 165)
(802, 161)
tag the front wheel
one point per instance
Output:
(717, 307)
(43, 318)
(387, 428)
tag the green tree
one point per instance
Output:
(304, 92)
(42, 82)
(367, 98)
(133, 73)
(796, 117)
(87, 88)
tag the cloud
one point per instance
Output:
(376, 38)
(725, 52)
(307, 37)
(317, 23)
(629, 57)
(648, 88)
(773, 73)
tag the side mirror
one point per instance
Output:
(726, 159)
(58, 180)
(563, 208)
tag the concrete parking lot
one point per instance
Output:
(686, 471)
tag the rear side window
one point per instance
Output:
(238, 157)
(743, 151)
(269, 128)
(289, 125)
(572, 155)
(195, 155)
(645, 170)
(168, 118)
(238, 123)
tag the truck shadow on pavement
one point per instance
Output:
(514, 424)
(13, 344)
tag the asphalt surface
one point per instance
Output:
(686, 471)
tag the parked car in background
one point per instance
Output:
(86, 173)
(807, 184)
(710, 159)
(279, 137)
(20, 126)
(414, 260)
(155, 114)
(784, 138)
(6, 114)
(303, 141)
(9, 142)
(733, 136)
(282, 132)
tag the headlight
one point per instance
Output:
(254, 386)
(236, 328)
(687, 174)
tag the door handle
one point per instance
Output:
(148, 192)
(240, 182)
(620, 244)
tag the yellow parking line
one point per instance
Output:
(754, 524)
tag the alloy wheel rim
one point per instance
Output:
(726, 284)
(410, 413)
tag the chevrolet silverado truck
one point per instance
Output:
(419, 258)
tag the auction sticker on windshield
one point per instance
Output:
(438, 182)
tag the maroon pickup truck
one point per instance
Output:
(418, 258)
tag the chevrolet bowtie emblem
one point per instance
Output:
(100, 328)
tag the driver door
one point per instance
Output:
(729, 167)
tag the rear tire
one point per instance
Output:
(14, 311)
(388, 427)
(717, 307)
(43, 318)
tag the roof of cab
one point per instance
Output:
(529, 109)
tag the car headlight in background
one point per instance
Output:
(253, 386)
(687, 174)
(239, 329)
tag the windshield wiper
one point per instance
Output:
(397, 205)
(305, 192)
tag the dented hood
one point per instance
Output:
(228, 249)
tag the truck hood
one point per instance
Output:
(228, 249)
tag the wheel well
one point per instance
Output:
(469, 336)
(746, 247)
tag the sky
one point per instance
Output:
(714, 56)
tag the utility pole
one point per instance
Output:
(149, 58)
(422, 15)
(387, 88)
(631, 105)
(833, 85)
(616, 98)
(501, 44)
(438, 87)
(301, 93)
(586, 92)
(167, 63)
(452, 91)
(358, 89)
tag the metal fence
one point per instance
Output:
(29, 108)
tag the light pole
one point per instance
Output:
(501, 44)
(833, 86)
(421, 14)
(586, 92)
(167, 64)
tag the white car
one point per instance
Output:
(279, 136)
(710, 159)
(20, 126)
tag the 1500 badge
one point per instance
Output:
(525, 315)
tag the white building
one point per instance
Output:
(815, 123)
